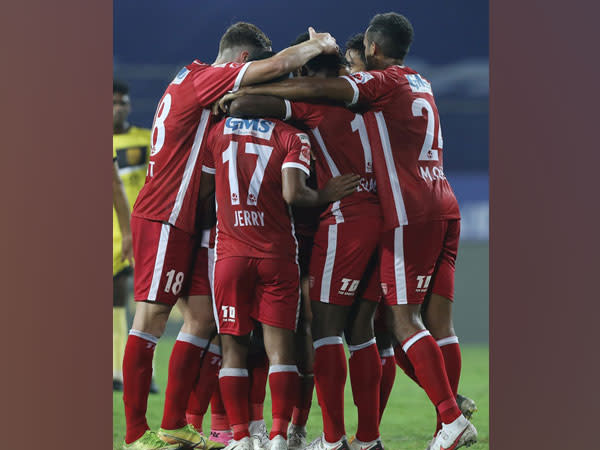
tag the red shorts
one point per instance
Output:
(165, 267)
(417, 259)
(339, 265)
(266, 290)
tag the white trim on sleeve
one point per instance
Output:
(354, 88)
(288, 109)
(293, 165)
(210, 170)
(238, 79)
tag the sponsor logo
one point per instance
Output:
(423, 282)
(259, 128)
(419, 84)
(348, 286)
(305, 150)
(228, 313)
(361, 77)
(180, 76)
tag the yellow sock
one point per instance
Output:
(119, 340)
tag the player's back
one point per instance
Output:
(405, 133)
(342, 146)
(247, 156)
(180, 125)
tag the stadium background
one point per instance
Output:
(151, 43)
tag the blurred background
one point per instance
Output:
(153, 39)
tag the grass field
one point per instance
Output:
(408, 422)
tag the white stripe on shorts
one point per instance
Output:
(160, 261)
(399, 268)
(329, 262)
(420, 335)
(447, 341)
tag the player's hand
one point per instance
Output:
(326, 40)
(127, 249)
(222, 105)
(339, 187)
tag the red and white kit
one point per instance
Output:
(256, 271)
(349, 230)
(165, 209)
(420, 210)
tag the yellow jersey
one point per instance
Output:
(131, 151)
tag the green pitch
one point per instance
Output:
(408, 422)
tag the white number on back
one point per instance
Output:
(264, 154)
(427, 152)
(159, 124)
(359, 124)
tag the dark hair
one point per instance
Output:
(243, 34)
(392, 32)
(331, 62)
(120, 87)
(264, 54)
(356, 43)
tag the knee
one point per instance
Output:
(439, 325)
(153, 324)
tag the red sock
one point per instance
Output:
(218, 416)
(184, 368)
(405, 364)
(205, 386)
(258, 371)
(388, 375)
(426, 358)
(234, 385)
(365, 377)
(137, 375)
(452, 360)
(330, 379)
(304, 400)
(284, 385)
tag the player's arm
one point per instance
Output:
(300, 89)
(121, 206)
(290, 59)
(259, 106)
(297, 193)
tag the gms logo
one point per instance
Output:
(423, 283)
(259, 128)
(361, 77)
(348, 286)
(180, 76)
(228, 313)
(419, 84)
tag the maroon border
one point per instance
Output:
(55, 226)
(543, 183)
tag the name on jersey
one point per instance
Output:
(419, 84)
(245, 218)
(436, 173)
(367, 185)
(259, 128)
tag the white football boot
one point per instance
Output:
(454, 435)
(296, 437)
(259, 434)
(320, 444)
(359, 445)
(243, 444)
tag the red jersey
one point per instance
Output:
(180, 125)
(247, 157)
(406, 138)
(339, 139)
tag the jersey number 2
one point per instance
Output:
(427, 153)
(230, 155)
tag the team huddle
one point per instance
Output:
(291, 201)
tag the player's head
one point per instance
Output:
(323, 65)
(355, 53)
(387, 40)
(242, 41)
(121, 103)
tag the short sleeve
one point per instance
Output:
(215, 81)
(298, 156)
(208, 165)
(368, 86)
(307, 113)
